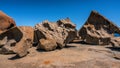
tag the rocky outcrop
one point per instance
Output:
(47, 36)
(6, 22)
(98, 30)
(17, 40)
(51, 35)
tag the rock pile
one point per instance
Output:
(50, 35)
(46, 35)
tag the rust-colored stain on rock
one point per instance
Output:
(47, 62)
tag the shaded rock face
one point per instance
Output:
(51, 35)
(98, 30)
(6, 22)
(22, 47)
(16, 40)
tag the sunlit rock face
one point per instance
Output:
(6, 22)
(17, 40)
(98, 30)
(51, 35)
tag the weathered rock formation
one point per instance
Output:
(51, 35)
(98, 30)
(47, 36)
(6, 22)
(16, 40)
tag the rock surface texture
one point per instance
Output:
(17, 40)
(6, 22)
(47, 36)
(76, 56)
(51, 35)
(99, 30)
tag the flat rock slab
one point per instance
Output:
(73, 56)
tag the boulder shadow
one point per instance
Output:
(17, 57)
(14, 57)
(41, 50)
(57, 48)
(80, 42)
(69, 46)
(114, 48)
(117, 58)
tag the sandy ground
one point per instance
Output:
(74, 56)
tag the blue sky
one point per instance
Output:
(31, 12)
